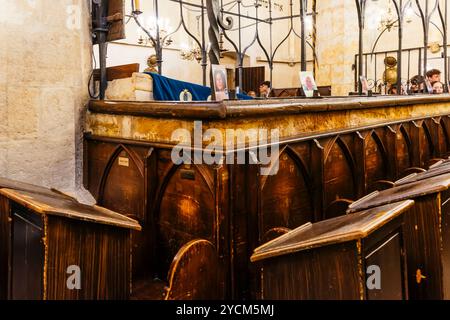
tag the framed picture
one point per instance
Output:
(365, 84)
(308, 83)
(220, 82)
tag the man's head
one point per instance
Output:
(417, 83)
(434, 75)
(264, 88)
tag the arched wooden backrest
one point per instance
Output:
(273, 234)
(426, 144)
(410, 171)
(286, 196)
(375, 160)
(195, 273)
(381, 185)
(403, 153)
(434, 162)
(339, 171)
(337, 208)
(186, 211)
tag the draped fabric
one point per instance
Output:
(167, 89)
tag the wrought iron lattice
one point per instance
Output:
(220, 18)
(426, 9)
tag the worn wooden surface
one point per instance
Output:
(342, 229)
(233, 109)
(21, 186)
(443, 169)
(49, 205)
(329, 259)
(414, 190)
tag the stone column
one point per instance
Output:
(45, 63)
(337, 41)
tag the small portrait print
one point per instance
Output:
(308, 83)
(220, 82)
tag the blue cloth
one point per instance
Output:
(166, 89)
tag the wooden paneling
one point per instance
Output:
(307, 269)
(234, 207)
(102, 253)
(5, 232)
(422, 239)
(118, 72)
(27, 259)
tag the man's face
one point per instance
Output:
(435, 78)
(263, 89)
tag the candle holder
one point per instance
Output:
(135, 5)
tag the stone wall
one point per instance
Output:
(337, 41)
(45, 63)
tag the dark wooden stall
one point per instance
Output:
(44, 233)
(332, 259)
(440, 168)
(427, 233)
(331, 152)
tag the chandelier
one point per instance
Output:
(389, 19)
(190, 53)
(151, 25)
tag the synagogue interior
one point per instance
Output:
(245, 150)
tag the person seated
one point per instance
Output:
(438, 87)
(434, 75)
(393, 90)
(417, 84)
(251, 94)
(265, 89)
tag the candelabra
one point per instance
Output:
(389, 20)
(152, 26)
(189, 54)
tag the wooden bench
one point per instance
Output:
(427, 233)
(44, 236)
(334, 259)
